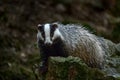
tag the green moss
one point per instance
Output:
(33, 59)
(71, 68)
(16, 72)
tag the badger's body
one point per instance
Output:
(70, 40)
(81, 43)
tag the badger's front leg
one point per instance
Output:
(43, 65)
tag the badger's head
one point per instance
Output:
(48, 33)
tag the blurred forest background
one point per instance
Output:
(18, 28)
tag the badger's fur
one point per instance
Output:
(63, 40)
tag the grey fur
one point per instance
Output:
(78, 42)
(81, 43)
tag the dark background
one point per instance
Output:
(18, 28)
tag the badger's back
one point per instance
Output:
(81, 43)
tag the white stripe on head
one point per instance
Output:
(57, 34)
(47, 33)
(39, 36)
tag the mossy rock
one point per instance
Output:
(71, 68)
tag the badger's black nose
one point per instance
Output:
(48, 44)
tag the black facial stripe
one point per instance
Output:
(41, 29)
(52, 30)
(43, 34)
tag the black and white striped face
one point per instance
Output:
(48, 33)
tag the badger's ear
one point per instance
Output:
(39, 26)
(55, 25)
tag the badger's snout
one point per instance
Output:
(48, 42)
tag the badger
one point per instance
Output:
(55, 39)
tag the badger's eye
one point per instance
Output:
(52, 29)
(54, 25)
(42, 33)
(41, 29)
